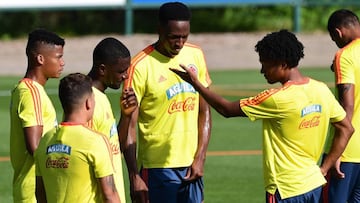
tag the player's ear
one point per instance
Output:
(339, 32)
(40, 59)
(102, 69)
(90, 102)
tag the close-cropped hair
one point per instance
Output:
(73, 88)
(42, 36)
(279, 47)
(174, 11)
(108, 51)
(342, 18)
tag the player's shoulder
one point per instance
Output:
(318, 83)
(92, 133)
(192, 46)
(142, 54)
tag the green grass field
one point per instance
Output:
(229, 177)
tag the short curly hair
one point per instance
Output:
(280, 47)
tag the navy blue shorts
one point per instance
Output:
(167, 185)
(343, 190)
(312, 196)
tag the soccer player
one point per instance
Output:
(111, 59)
(174, 122)
(31, 111)
(344, 29)
(295, 120)
(73, 162)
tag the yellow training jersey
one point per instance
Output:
(347, 70)
(295, 123)
(103, 121)
(168, 111)
(70, 159)
(30, 106)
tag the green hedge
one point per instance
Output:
(232, 19)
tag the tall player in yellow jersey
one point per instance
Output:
(295, 119)
(173, 120)
(111, 59)
(344, 29)
(31, 111)
(74, 162)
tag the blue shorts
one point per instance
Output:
(343, 190)
(167, 185)
(312, 196)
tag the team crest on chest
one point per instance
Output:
(193, 68)
(161, 79)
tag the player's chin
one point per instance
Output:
(115, 86)
(56, 75)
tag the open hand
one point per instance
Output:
(187, 75)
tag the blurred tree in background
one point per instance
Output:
(104, 21)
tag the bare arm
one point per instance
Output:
(204, 132)
(128, 104)
(346, 98)
(40, 190)
(127, 135)
(343, 132)
(32, 138)
(220, 104)
(108, 189)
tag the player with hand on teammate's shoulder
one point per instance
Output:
(295, 119)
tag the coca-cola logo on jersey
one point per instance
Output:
(310, 123)
(61, 162)
(182, 106)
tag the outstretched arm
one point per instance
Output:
(220, 104)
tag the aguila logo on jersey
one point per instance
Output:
(310, 109)
(58, 148)
(113, 130)
(179, 88)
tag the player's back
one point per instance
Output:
(70, 159)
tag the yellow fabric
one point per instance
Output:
(295, 124)
(168, 112)
(104, 122)
(347, 70)
(70, 159)
(30, 106)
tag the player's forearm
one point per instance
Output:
(108, 188)
(130, 159)
(204, 129)
(32, 138)
(40, 190)
(123, 130)
(343, 132)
